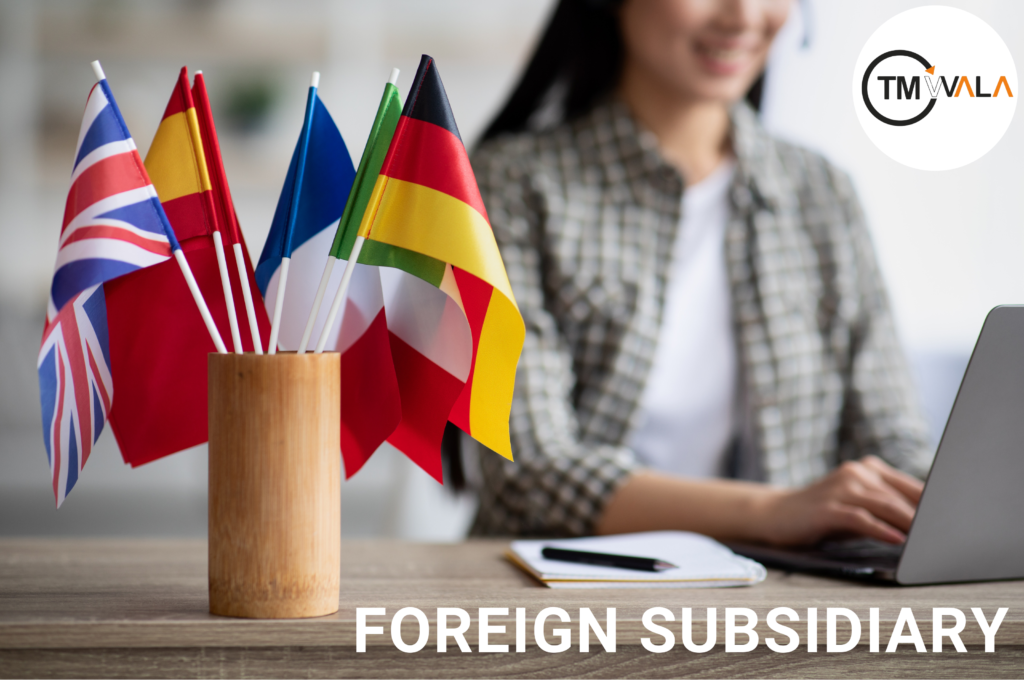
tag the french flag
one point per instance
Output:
(370, 401)
(113, 225)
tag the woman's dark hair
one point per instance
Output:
(581, 54)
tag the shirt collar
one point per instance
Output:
(758, 164)
(759, 171)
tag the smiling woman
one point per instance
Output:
(709, 345)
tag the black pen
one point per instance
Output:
(606, 560)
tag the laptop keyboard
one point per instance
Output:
(866, 552)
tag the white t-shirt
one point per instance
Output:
(687, 410)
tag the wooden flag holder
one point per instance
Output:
(275, 484)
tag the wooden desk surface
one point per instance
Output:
(119, 608)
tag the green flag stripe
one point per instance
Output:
(374, 252)
(386, 255)
(388, 113)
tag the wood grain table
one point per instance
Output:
(136, 608)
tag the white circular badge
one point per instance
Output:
(935, 88)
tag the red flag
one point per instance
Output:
(158, 342)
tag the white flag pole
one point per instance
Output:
(275, 326)
(250, 309)
(197, 295)
(346, 278)
(342, 293)
(317, 301)
(190, 280)
(243, 272)
(229, 299)
(222, 267)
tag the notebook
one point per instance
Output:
(701, 562)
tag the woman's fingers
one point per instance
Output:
(860, 521)
(866, 497)
(910, 487)
(887, 505)
(862, 484)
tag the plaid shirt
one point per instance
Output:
(585, 215)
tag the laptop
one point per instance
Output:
(969, 525)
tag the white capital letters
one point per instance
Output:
(588, 622)
(484, 613)
(396, 630)
(561, 633)
(688, 630)
(649, 624)
(906, 620)
(831, 623)
(520, 629)
(773, 623)
(459, 633)
(731, 629)
(873, 629)
(812, 629)
(362, 630)
(989, 630)
(938, 632)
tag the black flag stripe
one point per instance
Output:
(427, 100)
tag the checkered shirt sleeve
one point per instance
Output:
(881, 415)
(558, 484)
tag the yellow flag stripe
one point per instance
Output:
(373, 206)
(197, 149)
(175, 162)
(494, 374)
(433, 223)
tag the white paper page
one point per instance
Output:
(697, 558)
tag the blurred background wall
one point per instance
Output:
(949, 242)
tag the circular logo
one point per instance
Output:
(935, 88)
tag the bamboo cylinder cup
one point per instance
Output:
(275, 484)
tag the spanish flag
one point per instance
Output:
(156, 334)
(455, 361)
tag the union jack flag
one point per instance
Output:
(113, 220)
(113, 224)
(75, 386)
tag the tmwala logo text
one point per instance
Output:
(907, 89)
(897, 90)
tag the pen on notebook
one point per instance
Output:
(606, 560)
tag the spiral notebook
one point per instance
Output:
(701, 562)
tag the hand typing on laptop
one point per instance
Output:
(864, 498)
(867, 498)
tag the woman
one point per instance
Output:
(709, 346)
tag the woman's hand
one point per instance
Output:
(866, 498)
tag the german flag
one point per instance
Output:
(426, 217)
(156, 332)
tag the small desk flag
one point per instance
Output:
(159, 344)
(370, 406)
(113, 225)
(455, 356)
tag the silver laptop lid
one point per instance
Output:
(970, 522)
